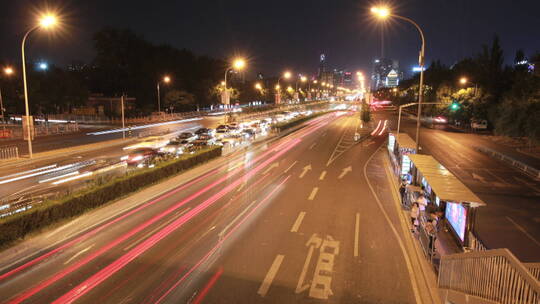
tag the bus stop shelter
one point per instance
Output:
(400, 146)
(447, 193)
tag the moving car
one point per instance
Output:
(154, 142)
(141, 156)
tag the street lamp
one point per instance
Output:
(238, 64)
(45, 22)
(8, 71)
(286, 75)
(465, 80)
(166, 80)
(384, 13)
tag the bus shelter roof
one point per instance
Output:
(443, 182)
(405, 141)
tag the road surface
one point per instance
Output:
(292, 220)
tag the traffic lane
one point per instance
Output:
(110, 154)
(280, 245)
(47, 143)
(270, 160)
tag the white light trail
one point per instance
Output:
(35, 174)
(143, 126)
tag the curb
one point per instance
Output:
(533, 172)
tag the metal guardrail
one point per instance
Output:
(516, 163)
(475, 244)
(495, 275)
(534, 269)
(9, 153)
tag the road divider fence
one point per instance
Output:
(7, 153)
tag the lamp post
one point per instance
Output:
(383, 13)
(286, 75)
(47, 21)
(238, 64)
(165, 79)
(8, 71)
(465, 80)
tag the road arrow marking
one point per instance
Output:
(345, 171)
(305, 170)
(272, 166)
(312, 145)
(323, 174)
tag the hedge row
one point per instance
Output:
(19, 225)
(297, 121)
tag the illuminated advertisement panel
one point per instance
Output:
(456, 215)
(391, 142)
(405, 165)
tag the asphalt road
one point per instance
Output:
(511, 218)
(105, 153)
(291, 220)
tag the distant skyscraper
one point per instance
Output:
(322, 65)
(382, 67)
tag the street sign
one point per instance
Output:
(25, 124)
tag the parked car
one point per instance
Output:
(186, 136)
(202, 131)
(141, 156)
(175, 147)
(479, 124)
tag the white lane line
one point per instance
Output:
(263, 289)
(312, 145)
(313, 193)
(222, 233)
(290, 167)
(356, 234)
(524, 231)
(78, 253)
(241, 186)
(323, 174)
(298, 222)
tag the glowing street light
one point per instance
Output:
(287, 75)
(47, 21)
(166, 80)
(382, 13)
(463, 80)
(8, 71)
(238, 64)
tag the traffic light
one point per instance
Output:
(455, 106)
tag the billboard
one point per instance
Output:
(456, 215)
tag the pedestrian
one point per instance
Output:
(431, 230)
(422, 203)
(402, 188)
(415, 212)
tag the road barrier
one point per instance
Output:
(493, 275)
(516, 163)
(9, 153)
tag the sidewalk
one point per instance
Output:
(424, 276)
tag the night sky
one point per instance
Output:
(276, 35)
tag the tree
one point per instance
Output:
(179, 100)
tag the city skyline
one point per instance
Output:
(344, 31)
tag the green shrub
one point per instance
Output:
(19, 225)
